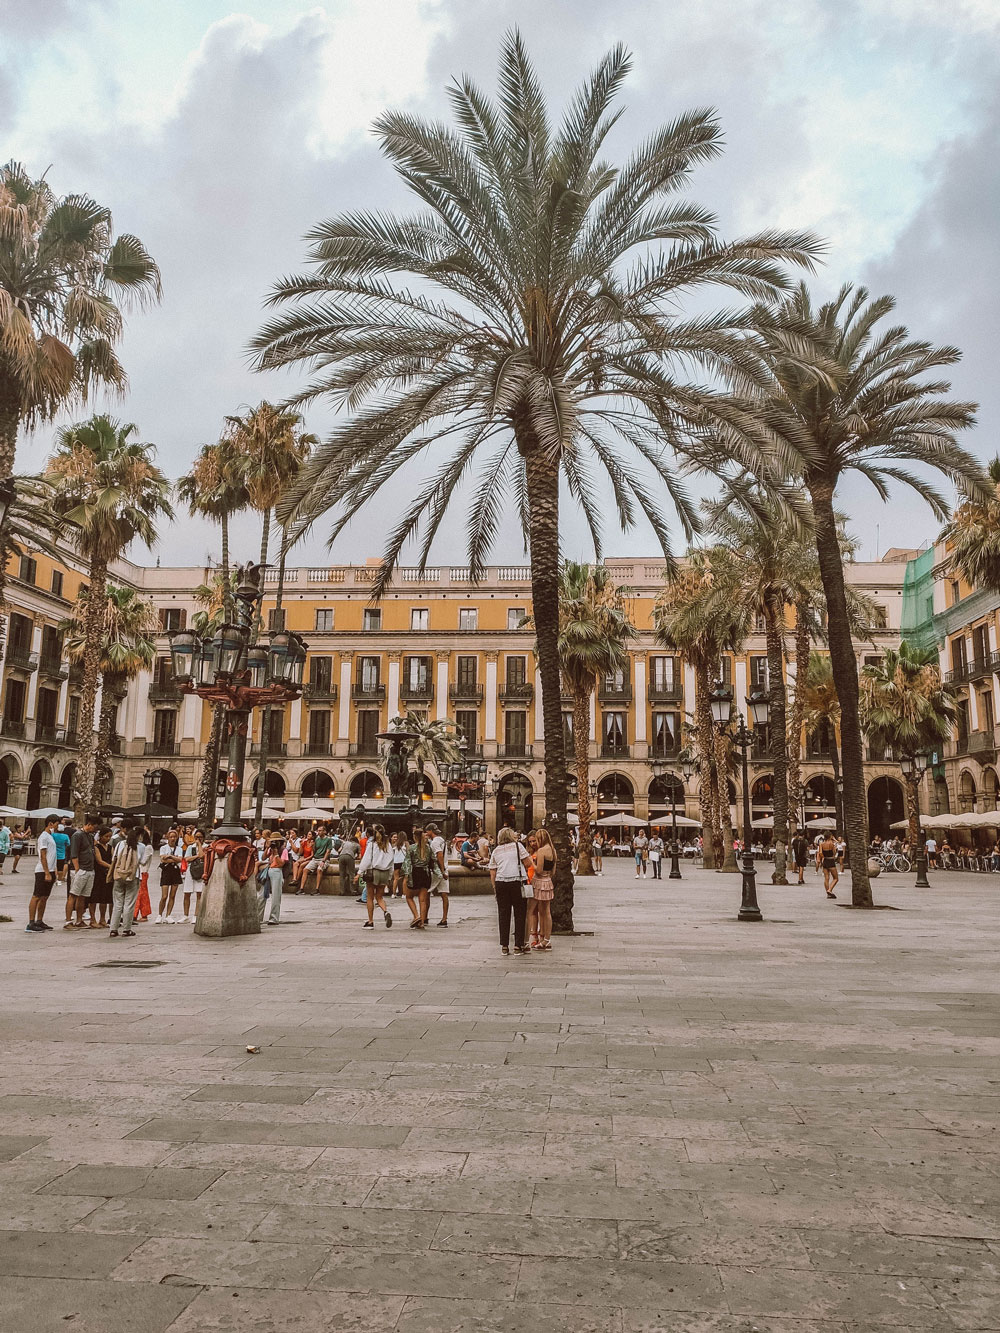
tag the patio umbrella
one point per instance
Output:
(825, 823)
(765, 821)
(44, 811)
(664, 821)
(616, 821)
(308, 812)
(12, 810)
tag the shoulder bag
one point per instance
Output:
(526, 890)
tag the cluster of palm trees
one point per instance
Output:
(522, 335)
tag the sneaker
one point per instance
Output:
(442, 925)
(504, 950)
(34, 927)
(44, 925)
(171, 921)
(271, 923)
(388, 920)
(186, 920)
(369, 925)
(158, 921)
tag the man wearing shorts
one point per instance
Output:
(81, 858)
(45, 877)
(439, 871)
(322, 848)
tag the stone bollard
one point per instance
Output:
(228, 904)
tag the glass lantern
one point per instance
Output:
(185, 649)
(227, 647)
(257, 665)
(721, 703)
(759, 707)
(279, 655)
(206, 664)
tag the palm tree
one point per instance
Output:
(973, 536)
(216, 488)
(821, 712)
(905, 707)
(696, 615)
(65, 281)
(594, 632)
(849, 396)
(127, 645)
(108, 488)
(541, 338)
(271, 445)
(439, 741)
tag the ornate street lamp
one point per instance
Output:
(661, 769)
(915, 766)
(232, 672)
(466, 777)
(759, 707)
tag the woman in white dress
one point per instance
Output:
(194, 882)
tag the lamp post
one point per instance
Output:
(915, 766)
(466, 777)
(661, 769)
(231, 671)
(759, 707)
(151, 780)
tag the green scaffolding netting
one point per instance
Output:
(917, 620)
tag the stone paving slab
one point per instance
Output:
(677, 1124)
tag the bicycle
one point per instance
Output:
(894, 861)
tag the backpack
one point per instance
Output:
(196, 867)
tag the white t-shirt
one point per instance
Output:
(46, 841)
(376, 857)
(931, 844)
(145, 850)
(507, 860)
(438, 844)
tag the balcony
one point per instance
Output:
(614, 750)
(613, 692)
(278, 750)
(14, 729)
(880, 754)
(465, 694)
(665, 691)
(665, 751)
(521, 751)
(319, 691)
(49, 735)
(317, 748)
(363, 693)
(363, 749)
(51, 666)
(980, 667)
(521, 693)
(21, 658)
(421, 691)
(165, 747)
(164, 692)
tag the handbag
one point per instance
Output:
(526, 890)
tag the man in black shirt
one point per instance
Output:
(800, 850)
(81, 858)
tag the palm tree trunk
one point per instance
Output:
(581, 753)
(265, 723)
(110, 699)
(207, 794)
(911, 788)
(265, 541)
(845, 676)
(10, 421)
(542, 474)
(798, 713)
(838, 805)
(703, 723)
(774, 625)
(722, 752)
(93, 633)
(227, 591)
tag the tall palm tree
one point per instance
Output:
(851, 396)
(127, 646)
(439, 741)
(695, 614)
(594, 633)
(65, 282)
(905, 706)
(542, 338)
(973, 535)
(272, 447)
(110, 491)
(821, 712)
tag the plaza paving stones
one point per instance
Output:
(677, 1124)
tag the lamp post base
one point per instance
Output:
(227, 907)
(749, 910)
(921, 881)
(675, 864)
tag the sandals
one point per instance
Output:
(535, 942)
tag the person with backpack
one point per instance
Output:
(273, 867)
(417, 872)
(194, 874)
(124, 883)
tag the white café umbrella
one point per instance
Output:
(44, 811)
(765, 821)
(616, 821)
(248, 812)
(665, 821)
(308, 812)
(13, 810)
(824, 823)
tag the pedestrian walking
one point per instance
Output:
(143, 907)
(124, 884)
(81, 858)
(347, 860)
(656, 855)
(398, 843)
(275, 862)
(597, 853)
(194, 875)
(170, 877)
(440, 880)
(45, 877)
(376, 867)
(5, 843)
(800, 853)
(419, 868)
(101, 897)
(826, 858)
(17, 847)
(640, 849)
(543, 889)
(509, 875)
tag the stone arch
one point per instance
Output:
(39, 778)
(515, 802)
(616, 792)
(274, 784)
(317, 785)
(885, 806)
(762, 796)
(366, 786)
(170, 789)
(967, 791)
(665, 786)
(991, 789)
(66, 781)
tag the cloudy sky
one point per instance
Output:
(221, 135)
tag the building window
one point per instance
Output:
(981, 644)
(274, 730)
(172, 617)
(468, 618)
(163, 673)
(73, 715)
(517, 672)
(567, 718)
(27, 569)
(164, 727)
(760, 623)
(958, 657)
(467, 673)
(726, 670)
(57, 582)
(372, 618)
(873, 659)
(516, 616)
(663, 674)
(515, 732)
(420, 618)
(986, 717)
(17, 693)
(666, 734)
(369, 672)
(614, 733)
(417, 674)
(758, 673)
(321, 673)
(467, 722)
(368, 731)
(324, 620)
(276, 620)
(319, 730)
(956, 591)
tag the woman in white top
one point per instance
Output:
(194, 851)
(398, 844)
(509, 873)
(376, 869)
